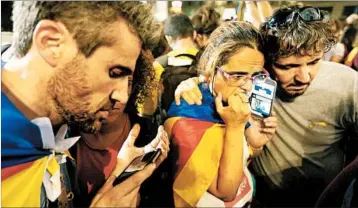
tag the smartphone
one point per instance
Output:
(138, 164)
(262, 96)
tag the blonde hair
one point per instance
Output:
(224, 42)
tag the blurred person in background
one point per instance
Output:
(338, 51)
(205, 21)
(177, 64)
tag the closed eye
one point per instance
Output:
(118, 72)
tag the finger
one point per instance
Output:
(163, 147)
(177, 96)
(235, 102)
(135, 199)
(273, 114)
(187, 98)
(219, 102)
(133, 134)
(270, 131)
(164, 137)
(198, 92)
(108, 184)
(194, 97)
(136, 179)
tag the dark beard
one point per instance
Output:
(284, 96)
(84, 124)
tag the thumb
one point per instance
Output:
(133, 134)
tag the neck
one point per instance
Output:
(184, 43)
(25, 84)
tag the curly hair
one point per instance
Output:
(143, 77)
(224, 42)
(206, 20)
(297, 38)
(87, 21)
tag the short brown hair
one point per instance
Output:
(206, 20)
(224, 42)
(86, 20)
(296, 38)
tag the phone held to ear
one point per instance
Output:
(138, 164)
(262, 96)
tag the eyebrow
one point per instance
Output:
(293, 65)
(237, 73)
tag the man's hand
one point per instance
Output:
(125, 194)
(161, 141)
(129, 151)
(189, 91)
(237, 112)
(262, 131)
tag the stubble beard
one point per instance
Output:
(71, 92)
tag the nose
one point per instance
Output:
(120, 92)
(303, 74)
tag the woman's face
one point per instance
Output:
(246, 61)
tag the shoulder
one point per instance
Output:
(337, 70)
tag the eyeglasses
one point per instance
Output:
(237, 80)
(307, 14)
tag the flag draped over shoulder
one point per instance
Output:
(197, 133)
(23, 158)
(28, 158)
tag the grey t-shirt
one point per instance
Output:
(307, 140)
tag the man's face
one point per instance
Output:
(90, 90)
(246, 61)
(295, 73)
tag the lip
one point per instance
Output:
(115, 111)
(295, 88)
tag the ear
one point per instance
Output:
(169, 39)
(51, 39)
(195, 34)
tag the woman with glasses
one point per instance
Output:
(209, 139)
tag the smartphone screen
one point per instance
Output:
(262, 97)
(138, 164)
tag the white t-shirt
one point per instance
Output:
(336, 50)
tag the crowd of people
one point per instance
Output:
(90, 87)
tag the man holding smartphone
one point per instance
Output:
(316, 106)
(71, 62)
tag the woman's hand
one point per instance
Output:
(262, 131)
(237, 112)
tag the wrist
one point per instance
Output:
(254, 151)
(235, 125)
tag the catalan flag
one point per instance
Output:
(28, 158)
(197, 133)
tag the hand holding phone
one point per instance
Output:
(138, 164)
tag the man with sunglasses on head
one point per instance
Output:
(316, 107)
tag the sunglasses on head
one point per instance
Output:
(307, 14)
